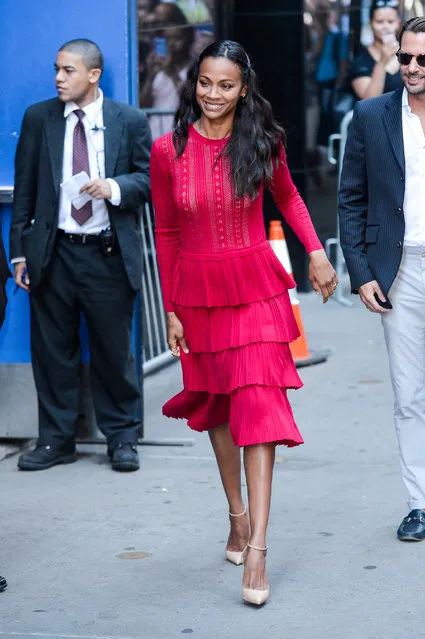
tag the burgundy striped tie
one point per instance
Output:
(80, 162)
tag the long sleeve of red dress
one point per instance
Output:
(292, 207)
(167, 224)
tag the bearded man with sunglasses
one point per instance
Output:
(382, 222)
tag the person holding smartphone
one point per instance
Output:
(167, 66)
(376, 68)
(382, 212)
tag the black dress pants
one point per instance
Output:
(80, 278)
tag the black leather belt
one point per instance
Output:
(78, 238)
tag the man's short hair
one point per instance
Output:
(88, 50)
(414, 25)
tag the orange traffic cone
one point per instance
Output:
(299, 349)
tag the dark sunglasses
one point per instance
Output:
(405, 58)
(385, 4)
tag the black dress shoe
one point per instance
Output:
(3, 584)
(412, 528)
(124, 457)
(43, 457)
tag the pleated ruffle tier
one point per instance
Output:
(230, 278)
(218, 328)
(255, 414)
(238, 322)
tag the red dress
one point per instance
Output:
(229, 290)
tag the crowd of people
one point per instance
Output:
(335, 80)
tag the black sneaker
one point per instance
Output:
(3, 584)
(412, 528)
(124, 458)
(43, 457)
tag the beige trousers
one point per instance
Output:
(404, 330)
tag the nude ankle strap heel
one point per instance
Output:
(236, 557)
(253, 595)
(257, 548)
(238, 514)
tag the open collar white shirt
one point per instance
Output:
(93, 125)
(414, 195)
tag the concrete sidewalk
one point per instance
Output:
(93, 554)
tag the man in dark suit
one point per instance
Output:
(75, 253)
(382, 221)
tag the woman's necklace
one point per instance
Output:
(197, 126)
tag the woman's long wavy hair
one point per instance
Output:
(254, 144)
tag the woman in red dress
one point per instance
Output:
(229, 316)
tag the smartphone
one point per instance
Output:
(386, 304)
(160, 46)
(389, 37)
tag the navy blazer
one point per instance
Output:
(38, 173)
(371, 192)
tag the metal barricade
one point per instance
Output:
(155, 349)
(161, 120)
(337, 158)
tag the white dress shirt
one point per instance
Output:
(414, 195)
(93, 119)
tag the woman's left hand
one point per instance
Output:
(322, 275)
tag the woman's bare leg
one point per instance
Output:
(258, 461)
(229, 464)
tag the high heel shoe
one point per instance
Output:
(253, 595)
(236, 557)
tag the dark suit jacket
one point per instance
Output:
(38, 169)
(371, 192)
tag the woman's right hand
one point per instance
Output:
(154, 63)
(389, 48)
(175, 335)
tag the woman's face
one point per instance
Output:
(385, 23)
(219, 88)
(177, 43)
